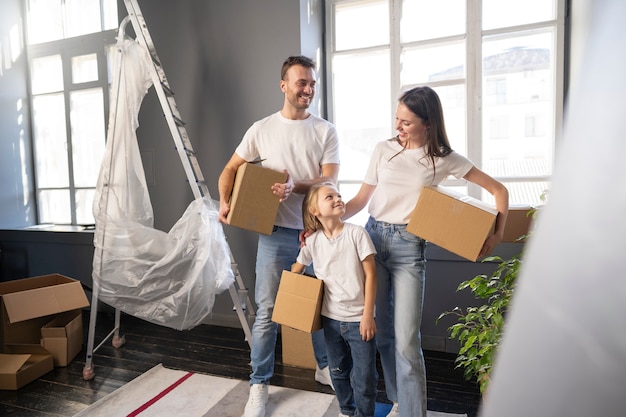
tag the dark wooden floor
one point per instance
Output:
(213, 350)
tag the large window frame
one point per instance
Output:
(474, 39)
(69, 200)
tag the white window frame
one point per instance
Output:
(472, 82)
(94, 43)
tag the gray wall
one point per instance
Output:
(222, 59)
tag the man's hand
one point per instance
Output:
(283, 190)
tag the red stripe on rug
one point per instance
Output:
(159, 395)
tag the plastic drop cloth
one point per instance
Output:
(170, 278)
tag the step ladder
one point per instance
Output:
(242, 303)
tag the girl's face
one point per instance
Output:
(410, 127)
(329, 203)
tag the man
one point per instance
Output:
(307, 148)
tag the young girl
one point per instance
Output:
(343, 255)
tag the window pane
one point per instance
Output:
(361, 109)
(110, 14)
(428, 19)
(349, 190)
(453, 102)
(435, 63)
(84, 206)
(499, 14)
(54, 206)
(88, 138)
(521, 193)
(361, 24)
(47, 74)
(84, 68)
(44, 21)
(50, 141)
(518, 105)
(82, 17)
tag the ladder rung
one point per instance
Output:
(167, 89)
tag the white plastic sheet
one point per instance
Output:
(170, 278)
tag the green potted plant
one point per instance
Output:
(479, 330)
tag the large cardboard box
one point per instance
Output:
(518, 223)
(452, 220)
(28, 304)
(21, 364)
(63, 337)
(297, 348)
(299, 302)
(253, 206)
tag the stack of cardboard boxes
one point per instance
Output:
(40, 327)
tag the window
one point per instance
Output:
(67, 45)
(497, 67)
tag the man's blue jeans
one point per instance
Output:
(400, 271)
(275, 253)
(352, 367)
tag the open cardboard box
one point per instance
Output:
(253, 206)
(27, 305)
(21, 364)
(63, 337)
(452, 220)
(299, 302)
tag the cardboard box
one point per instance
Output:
(518, 223)
(452, 220)
(253, 206)
(299, 302)
(63, 337)
(21, 364)
(297, 348)
(28, 304)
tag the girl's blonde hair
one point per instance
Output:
(309, 205)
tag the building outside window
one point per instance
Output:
(497, 67)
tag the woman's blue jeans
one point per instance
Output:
(352, 367)
(400, 272)
(275, 253)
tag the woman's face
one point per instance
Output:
(410, 127)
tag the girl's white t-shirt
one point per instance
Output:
(400, 175)
(299, 146)
(337, 262)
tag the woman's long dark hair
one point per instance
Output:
(424, 103)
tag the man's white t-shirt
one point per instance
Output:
(400, 175)
(299, 146)
(337, 262)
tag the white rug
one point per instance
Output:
(163, 392)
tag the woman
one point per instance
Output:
(419, 156)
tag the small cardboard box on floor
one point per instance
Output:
(253, 206)
(297, 348)
(452, 220)
(26, 306)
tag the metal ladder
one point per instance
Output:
(242, 303)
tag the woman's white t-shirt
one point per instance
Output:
(400, 175)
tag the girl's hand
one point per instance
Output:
(367, 329)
